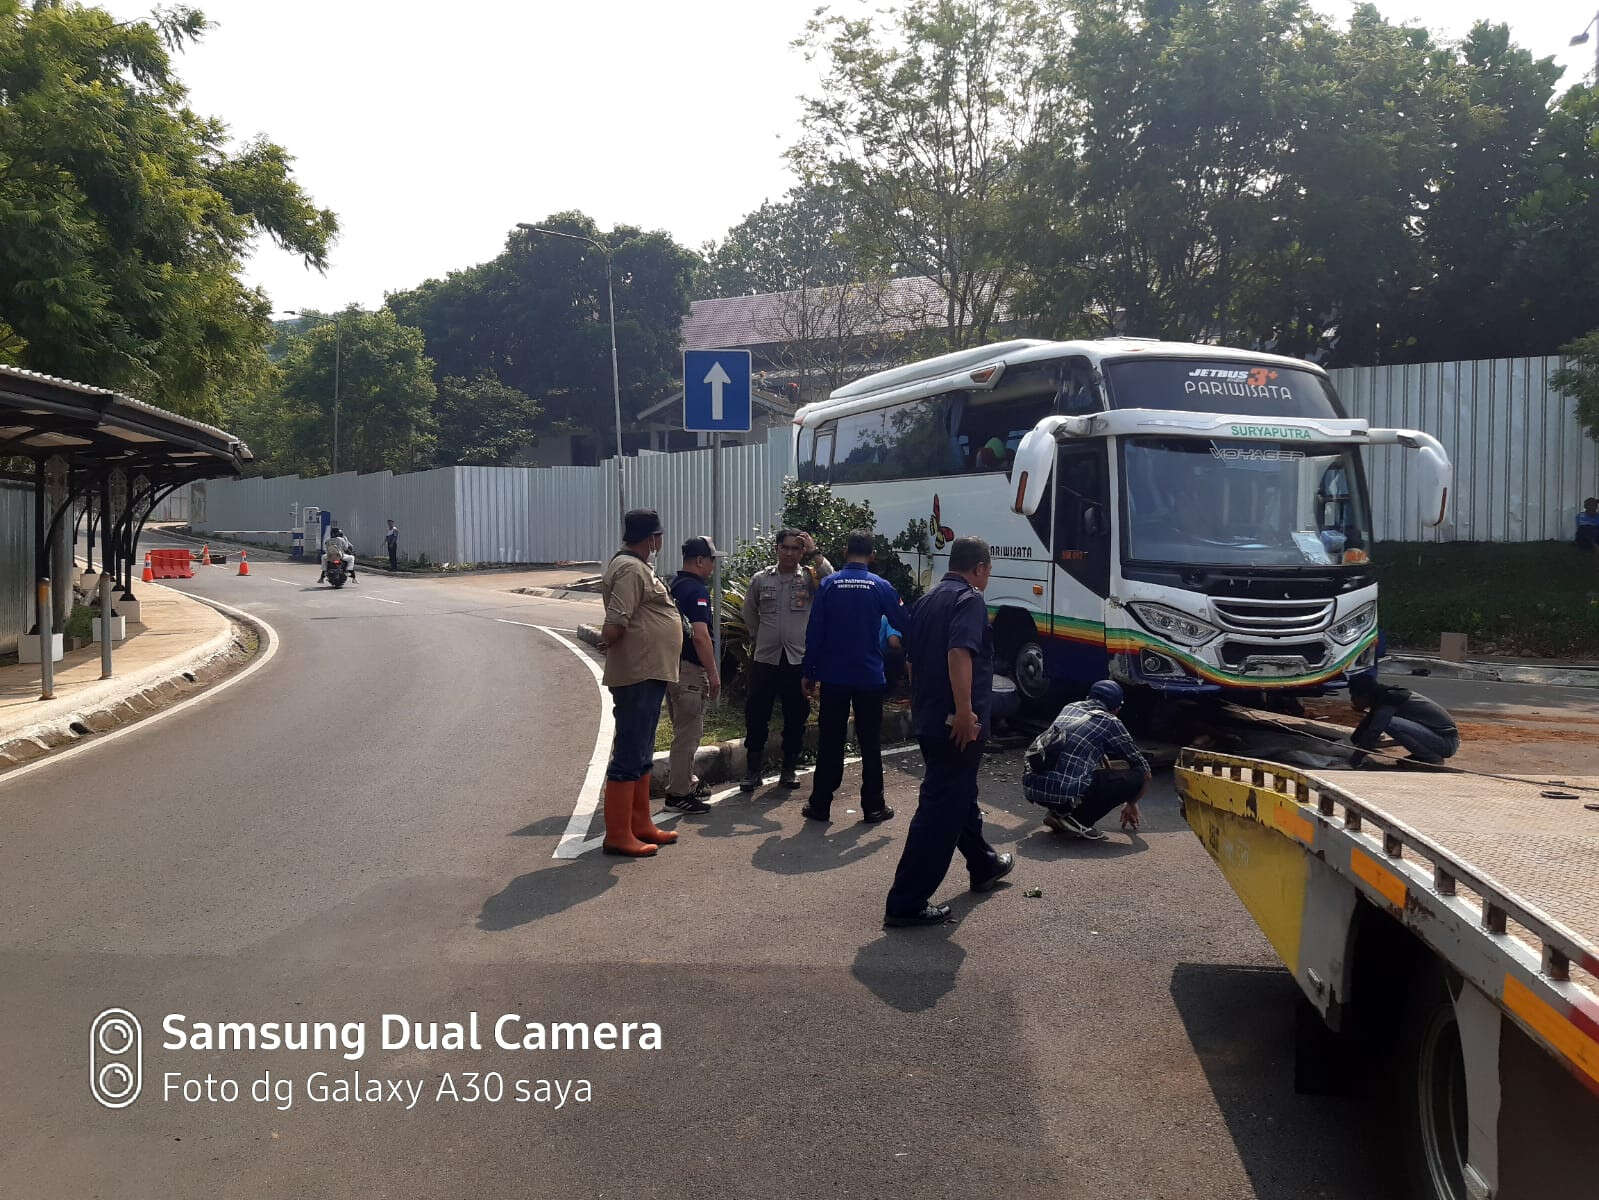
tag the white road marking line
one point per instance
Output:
(531, 625)
(261, 660)
(379, 599)
(275, 579)
(575, 840)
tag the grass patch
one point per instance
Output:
(724, 722)
(1533, 599)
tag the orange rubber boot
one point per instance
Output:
(619, 837)
(643, 828)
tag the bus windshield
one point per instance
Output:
(1194, 385)
(1243, 504)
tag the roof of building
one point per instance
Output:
(892, 306)
(47, 415)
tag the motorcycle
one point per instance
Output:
(337, 569)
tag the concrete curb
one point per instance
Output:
(1563, 676)
(556, 594)
(110, 703)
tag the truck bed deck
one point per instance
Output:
(1544, 850)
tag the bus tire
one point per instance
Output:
(1429, 1101)
(1021, 655)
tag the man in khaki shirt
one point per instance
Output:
(642, 637)
(777, 608)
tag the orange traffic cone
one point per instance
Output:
(244, 562)
(205, 555)
(149, 575)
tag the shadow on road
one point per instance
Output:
(816, 847)
(552, 826)
(910, 969)
(1043, 846)
(736, 816)
(1240, 1023)
(539, 894)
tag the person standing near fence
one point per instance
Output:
(843, 661)
(642, 639)
(777, 608)
(698, 680)
(391, 539)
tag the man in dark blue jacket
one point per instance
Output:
(842, 654)
(951, 650)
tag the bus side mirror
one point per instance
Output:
(1094, 521)
(1035, 459)
(1435, 478)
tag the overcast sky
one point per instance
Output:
(432, 129)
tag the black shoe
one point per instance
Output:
(873, 815)
(931, 914)
(752, 780)
(687, 804)
(790, 777)
(814, 814)
(1002, 867)
(702, 789)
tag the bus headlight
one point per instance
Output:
(1169, 623)
(1354, 626)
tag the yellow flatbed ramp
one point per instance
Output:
(1495, 881)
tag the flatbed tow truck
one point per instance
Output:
(1444, 928)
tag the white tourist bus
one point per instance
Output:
(1185, 518)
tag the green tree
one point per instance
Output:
(481, 422)
(385, 398)
(801, 241)
(125, 217)
(923, 120)
(1579, 379)
(536, 319)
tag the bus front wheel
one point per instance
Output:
(1021, 655)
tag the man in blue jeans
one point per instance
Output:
(1418, 724)
(951, 651)
(642, 639)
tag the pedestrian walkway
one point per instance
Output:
(176, 634)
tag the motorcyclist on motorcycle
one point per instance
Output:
(340, 546)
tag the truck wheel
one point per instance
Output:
(1431, 1103)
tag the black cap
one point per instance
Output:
(699, 547)
(639, 524)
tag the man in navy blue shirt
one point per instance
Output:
(842, 655)
(951, 651)
(698, 680)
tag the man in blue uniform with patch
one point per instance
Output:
(842, 655)
(951, 651)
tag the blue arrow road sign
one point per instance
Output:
(716, 391)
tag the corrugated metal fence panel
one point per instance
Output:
(1522, 463)
(516, 514)
(421, 504)
(16, 563)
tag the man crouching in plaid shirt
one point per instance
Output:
(1067, 772)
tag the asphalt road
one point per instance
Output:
(366, 826)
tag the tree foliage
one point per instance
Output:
(124, 216)
(385, 399)
(535, 318)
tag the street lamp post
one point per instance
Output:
(338, 347)
(1582, 38)
(616, 375)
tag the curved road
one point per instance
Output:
(366, 826)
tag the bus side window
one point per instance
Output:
(1077, 393)
(1082, 516)
(805, 455)
(821, 466)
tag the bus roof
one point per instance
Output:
(899, 380)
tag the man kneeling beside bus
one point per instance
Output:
(1068, 769)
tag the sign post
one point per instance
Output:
(717, 400)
